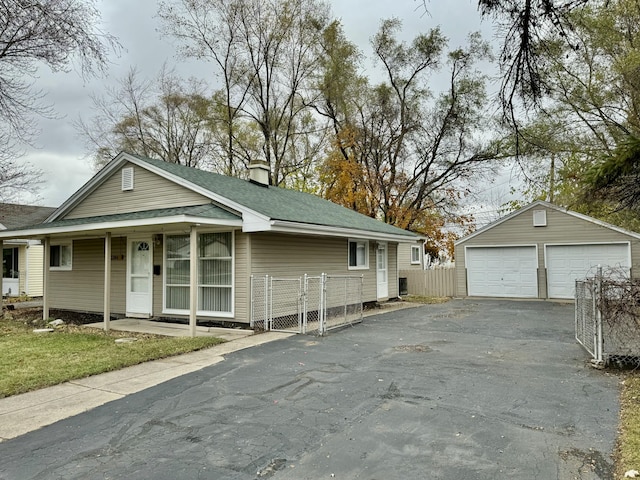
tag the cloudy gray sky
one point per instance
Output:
(61, 152)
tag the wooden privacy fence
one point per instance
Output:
(439, 282)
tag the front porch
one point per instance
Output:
(172, 329)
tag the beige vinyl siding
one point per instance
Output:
(562, 228)
(404, 257)
(241, 278)
(150, 192)
(291, 256)
(118, 274)
(34, 280)
(393, 269)
(82, 287)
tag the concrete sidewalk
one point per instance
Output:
(168, 329)
(20, 414)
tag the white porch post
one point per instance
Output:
(107, 281)
(45, 278)
(193, 280)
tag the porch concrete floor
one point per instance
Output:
(171, 329)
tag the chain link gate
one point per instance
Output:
(308, 304)
(588, 318)
(608, 319)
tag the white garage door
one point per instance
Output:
(502, 272)
(566, 263)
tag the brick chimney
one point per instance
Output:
(259, 172)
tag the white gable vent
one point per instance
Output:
(127, 179)
(539, 218)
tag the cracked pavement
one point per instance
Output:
(470, 389)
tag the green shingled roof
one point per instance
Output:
(277, 203)
(14, 216)
(203, 211)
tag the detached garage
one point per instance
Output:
(539, 251)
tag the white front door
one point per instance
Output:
(139, 277)
(382, 272)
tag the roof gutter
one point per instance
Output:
(101, 226)
(323, 230)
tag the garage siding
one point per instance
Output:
(561, 228)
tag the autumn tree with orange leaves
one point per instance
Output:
(402, 153)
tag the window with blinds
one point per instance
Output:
(215, 273)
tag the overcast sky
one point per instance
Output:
(61, 153)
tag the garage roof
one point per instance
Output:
(541, 203)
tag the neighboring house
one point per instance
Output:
(144, 237)
(22, 258)
(539, 251)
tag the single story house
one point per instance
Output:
(539, 251)
(146, 238)
(22, 258)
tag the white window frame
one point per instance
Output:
(202, 313)
(358, 242)
(415, 248)
(68, 267)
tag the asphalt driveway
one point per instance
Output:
(465, 390)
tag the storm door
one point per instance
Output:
(139, 278)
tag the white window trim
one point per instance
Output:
(61, 268)
(366, 254)
(201, 313)
(413, 249)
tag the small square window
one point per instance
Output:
(415, 255)
(358, 254)
(60, 256)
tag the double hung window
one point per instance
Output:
(60, 256)
(358, 254)
(215, 273)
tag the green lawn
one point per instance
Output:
(628, 457)
(29, 361)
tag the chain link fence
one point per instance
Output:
(308, 304)
(608, 319)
